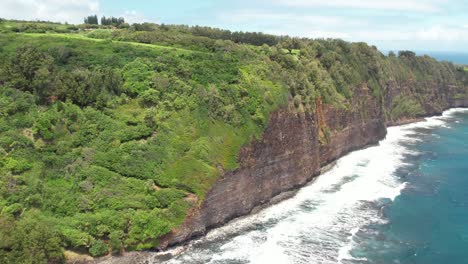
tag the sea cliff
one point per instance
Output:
(291, 153)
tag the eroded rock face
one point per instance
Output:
(295, 147)
(459, 102)
(289, 155)
(285, 158)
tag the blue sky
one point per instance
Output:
(431, 25)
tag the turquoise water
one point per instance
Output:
(402, 201)
(428, 222)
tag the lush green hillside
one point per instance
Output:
(108, 136)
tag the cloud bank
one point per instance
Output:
(399, 5)
(72, 11)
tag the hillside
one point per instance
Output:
(110, 136)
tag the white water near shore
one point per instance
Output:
(319, 223)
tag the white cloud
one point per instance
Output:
(132, 16)
(398, 5)
(440, 33)
(53, 10)
(434, 34)
(313, 26)
(315, 34)
(281, 18)
(420, 35)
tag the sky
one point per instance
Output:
(421, 25)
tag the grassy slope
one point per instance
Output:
(61, 36)
(93, 186)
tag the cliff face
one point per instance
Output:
(295, 147)
(289, 155)
(433, 97)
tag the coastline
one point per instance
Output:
(138, 256)
(405, 121)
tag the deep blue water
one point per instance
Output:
(428, 222)
(455, 57)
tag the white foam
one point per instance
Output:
(320, 223)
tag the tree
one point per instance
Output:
(112, 21)
(105, 21)
(149, 97)
(406, 53)
(287, 44)
(116, 241)
(291, 44)
(120, 21)
(92, 20)
(32, 239)
(29, 69)
(98, 248)
(137, 76)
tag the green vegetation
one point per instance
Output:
(91, 20)
(404, 106)
(109, 135)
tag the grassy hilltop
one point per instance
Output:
(109, 135)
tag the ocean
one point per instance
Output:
(455, 57)
(460, 58)
(428, 222)
(402, 201)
